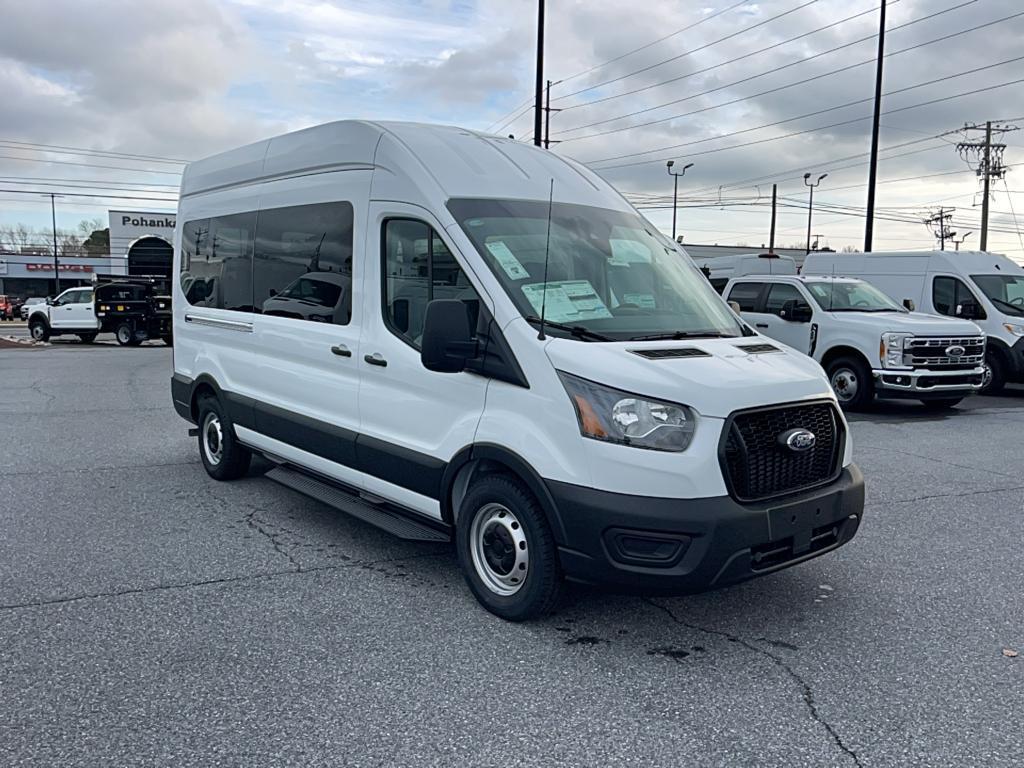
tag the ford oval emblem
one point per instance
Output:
(798, 440)
(955, 351)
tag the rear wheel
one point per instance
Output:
(941, 404)
(506, 550)
(224, 458)
(87, 338)
(39, 330)
(851, 381)
(125, 334)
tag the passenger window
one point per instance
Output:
(746, 295)
(418, 268)
(948, 293)
(302, 266)
(216, 262)
(779, 294)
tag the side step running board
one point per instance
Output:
(392, 522)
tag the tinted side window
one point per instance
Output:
(216, 262)
(948, 293)
(779, 294)
(418, 268)
(745, 294)
(302, 267)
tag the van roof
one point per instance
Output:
(457, 161)
(963, 261)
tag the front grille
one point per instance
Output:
(931, 352)
(758, 466)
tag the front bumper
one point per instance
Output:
(893, 382)
(678, 546)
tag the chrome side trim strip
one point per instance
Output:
(219, 322)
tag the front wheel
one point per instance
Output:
(942, 404)
(994, 378)
(87, 338)
(39, 330)
(851, 381)
(506, 550)
(124, 334)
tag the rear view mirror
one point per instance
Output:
(909, 304)
(795, 312)
(447, 343)
(735, 307)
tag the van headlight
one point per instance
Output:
(614, 416)
(890, 350)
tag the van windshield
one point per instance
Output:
(1005, 291)
(851, 296)
(609, 273)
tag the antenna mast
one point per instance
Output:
(547, 254)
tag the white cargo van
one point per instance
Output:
(721, 269)
(987, 288)
(361, 303)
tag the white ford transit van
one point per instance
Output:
(364, 305)
(987, 288)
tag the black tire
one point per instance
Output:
(995, 374)
(851, 381)
(941, 404)
(125, 334)
(168, 340)
(87, 338)
(223, 457)
(39, 330)
(498, 509)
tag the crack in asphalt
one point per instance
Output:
(805, 688)
(935, 459)
(366, 565)
(108, 468)
(262, 526)
(945, 496)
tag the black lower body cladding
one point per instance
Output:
(679, 546)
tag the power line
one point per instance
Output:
(692, 51)
(765, 92)
(90, 186)
(810, 114)
(90, 165)
(94, 196)
(65, 150)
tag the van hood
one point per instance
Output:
(723, 379)
(917, 323)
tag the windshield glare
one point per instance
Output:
(608, 271)
(850, 296)
(1005, 291)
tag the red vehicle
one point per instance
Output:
(6, 307)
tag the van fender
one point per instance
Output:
(493, 457)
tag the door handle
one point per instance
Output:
(376, 359)
(341, 350)
(760, 325)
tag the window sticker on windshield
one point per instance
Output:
(626, 252)
(508, 261)
(567, 301)
(642, 300)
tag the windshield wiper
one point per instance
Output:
(577, 331)
(678, 335)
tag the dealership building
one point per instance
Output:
(140, 244)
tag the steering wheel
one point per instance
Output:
(861, 303)
(1017, 301)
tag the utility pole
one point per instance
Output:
(675, 190)
(869, 227)
(771, 236)
(962, 239)
(538, 104)
(547, 114)
(817, 242)
(56, 264)
(940, 224)
(810, 204)
(986, 158)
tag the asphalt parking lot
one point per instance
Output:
(151, 616)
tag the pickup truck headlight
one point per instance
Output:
(890, 349)
(614, 416)
(1016, 330)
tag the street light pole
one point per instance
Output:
(810, 204)
(56, 265)
(675, 190)
(869, 227)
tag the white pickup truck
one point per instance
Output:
(71, 313)
(868, 344)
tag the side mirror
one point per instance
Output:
(273, 292)
(49, 301)
(909, 304)
(795, 312)
(735, 307)
(447, 342)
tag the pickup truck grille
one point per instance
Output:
(758, 466)
(934, 352)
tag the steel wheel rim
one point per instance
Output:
(500, 553)
(37, 332)
(213, 439)
(844, 384)
(123, 334)
(986, 376)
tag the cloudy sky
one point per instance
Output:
(749, 92)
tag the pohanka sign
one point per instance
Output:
(63, 267)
